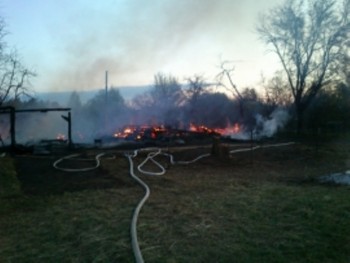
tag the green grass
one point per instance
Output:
(264, 207)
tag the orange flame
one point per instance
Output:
(152, 132)
(61, 137)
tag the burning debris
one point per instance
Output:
(155, 118)
(143, 132)
(25, 116)
(192, 134)
(61, 137)
(159, 132)
(162, 133)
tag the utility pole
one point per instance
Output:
(106, 85)
(106, 101)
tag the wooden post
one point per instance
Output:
(13, 127)
(70, 142)
(219, 150)
(251, 146)
(68, 119)
(11, 111)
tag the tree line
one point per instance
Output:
(195, 101)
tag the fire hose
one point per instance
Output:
(152, 153)
(97, 160)
(150, 157)
(261, 147)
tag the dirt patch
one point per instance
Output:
(38, 176)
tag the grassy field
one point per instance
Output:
(261, 206)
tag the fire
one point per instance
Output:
(60, 137)
(234, 129)
(140, 132)
(134, 132)
(127, 132)
(200, 128)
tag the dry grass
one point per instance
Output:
(9, 183)
(261, 206)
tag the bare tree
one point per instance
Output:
(343, 68)
(74, 101)
(307, 36)
(226, 72)
(165, 98)
(196, 87)
(277, 91)
(14, 77)
(166, 92)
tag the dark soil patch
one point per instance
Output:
(38, 176)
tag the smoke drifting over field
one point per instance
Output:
(103, 116)
(33, 127)
(134, 41)
(264, 126)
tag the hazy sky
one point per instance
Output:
(70, 44)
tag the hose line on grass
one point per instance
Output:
(133, 229)
(152, 153)
(261, 147)
(68, 157)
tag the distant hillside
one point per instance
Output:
(62, 97)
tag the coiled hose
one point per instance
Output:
(86, 169)
(152, 153)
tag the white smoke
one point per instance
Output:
(267, 127)
(242, 135)
(264, 126)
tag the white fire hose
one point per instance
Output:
(261, 147)
(97, 160)
(152, 153)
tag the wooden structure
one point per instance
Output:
(12, 112)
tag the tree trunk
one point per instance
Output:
(300, 118)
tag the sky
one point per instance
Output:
(71, 44)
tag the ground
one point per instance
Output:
(257, 206)
(38, 177)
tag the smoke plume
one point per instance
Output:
(138, 39)
(267, 127)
